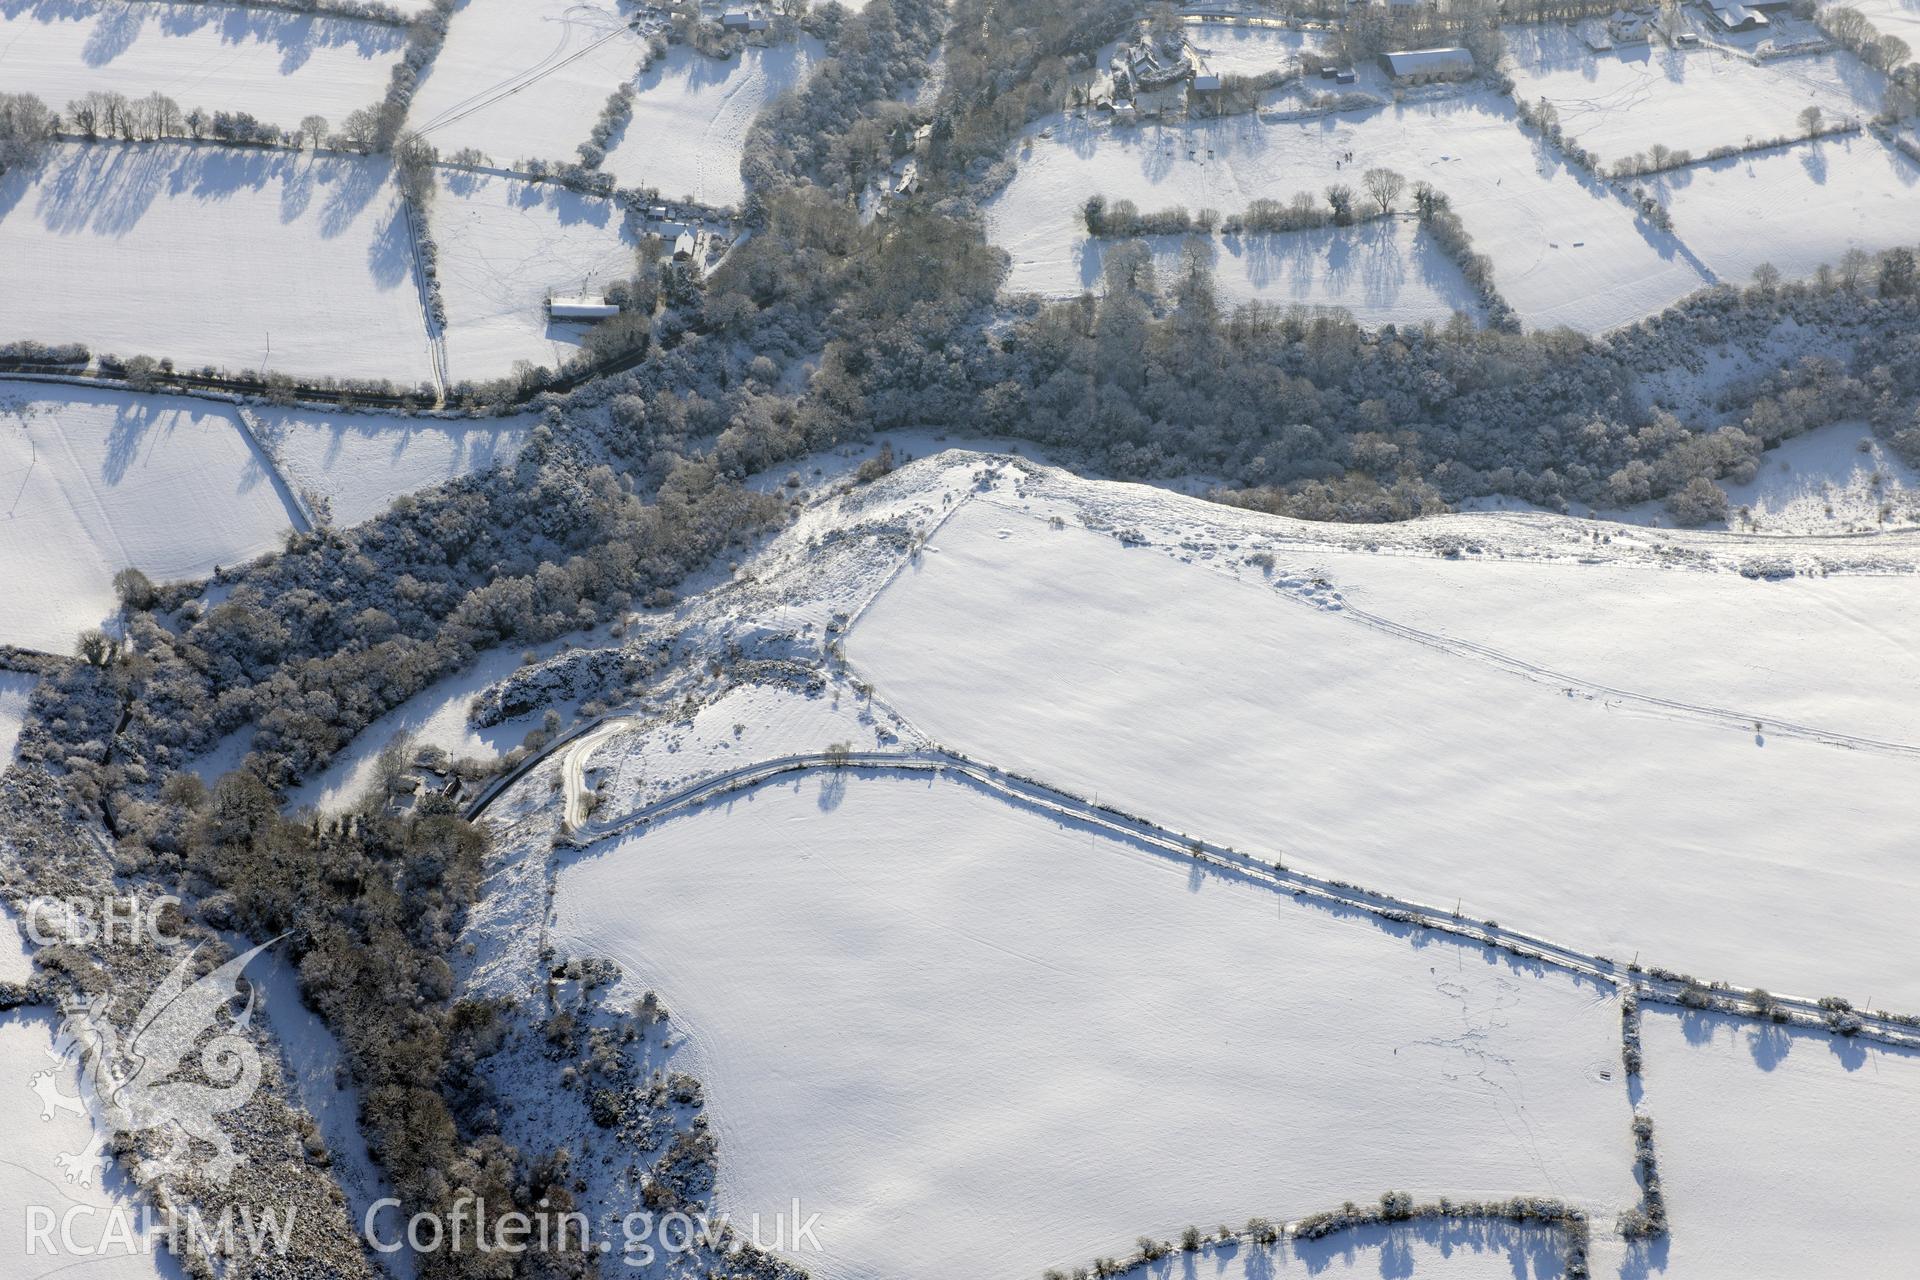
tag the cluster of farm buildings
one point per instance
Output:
(1147, 82)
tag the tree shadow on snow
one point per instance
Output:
(1770, 1043)
(390, 253)
(131, 422)
(1813, 159)
(1645, 1258)
(113, 34)
(1393, 1252)
(105, 189)
(353, 188)
(833, 789)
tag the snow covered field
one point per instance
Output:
(1381, 272)
(1409, 764)
(15, 688)
(212, 255)
(1783, 1153)
(958, 1030)
(1893, 18)
(1797, 208)
(94, 481)
(1621, 102)
(1229, 50)
(278, 66)
(30, 1175)
(1564, 250)
(505, 244)
(1766, 648)
(361, 462)
(524, 79)
(690, 120)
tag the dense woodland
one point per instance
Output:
(632, 482)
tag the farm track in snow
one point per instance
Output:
(558, 58)
(1672, 708)
(1668, 708)
(436, 336)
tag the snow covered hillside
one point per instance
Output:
(703, 575)
(1839, 479)
(961, 1017)
(1722, 639)
(1474, 763)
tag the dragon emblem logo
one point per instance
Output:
(126, 1075)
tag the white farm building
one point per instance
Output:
(581, 308)
(1745, 15)
(1739, 17)
(1418, 66)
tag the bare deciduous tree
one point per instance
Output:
(1385, 186)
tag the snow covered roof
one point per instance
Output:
(584, 308)
(1429, 62)
(1735, 17)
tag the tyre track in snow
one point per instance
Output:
(1486, 655)
(436, 336)
(1671, 708)
(521, 80)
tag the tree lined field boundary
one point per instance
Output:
(1648, 983)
